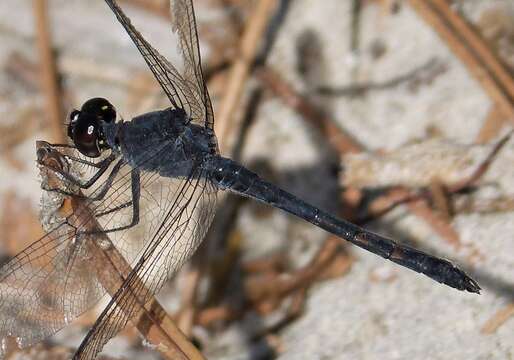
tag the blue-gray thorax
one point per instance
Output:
(162, 141)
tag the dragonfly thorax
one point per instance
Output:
(163, 141)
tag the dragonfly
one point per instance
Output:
(151, 183)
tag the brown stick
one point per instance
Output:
(492, 125)
(498, 319)
(265, 287)
(189, 291)
(240, 69)
(158, 8)
(112, 269)
(265, 290)
(338, 138)
(437, 222)
(484, 166)
(49, 77)
(472, 51)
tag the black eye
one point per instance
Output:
(86, 129)
(100, 108)
(72, 121)
(85, 134)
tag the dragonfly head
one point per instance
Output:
(85, 127)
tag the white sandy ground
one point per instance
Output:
(353, 317)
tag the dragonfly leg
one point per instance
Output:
(136, 192)
(102, 167)
(110, 211)
(97, 165)
(100, 192)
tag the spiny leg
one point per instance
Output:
(101, 191)
(102, 167)
(110, 211)
(136, 193)
(77, 159)
(89, 163)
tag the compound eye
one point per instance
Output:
(100, 108)
(85, 134)
(72, 122)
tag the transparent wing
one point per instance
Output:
(46, 286)
(185, 91)
(183, 22)
(51, 282)
(174, 241)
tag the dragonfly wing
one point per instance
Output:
(181, 229)
(183, 22)
(46, 286)
(183, 90)
(174, 215)
(50, 283)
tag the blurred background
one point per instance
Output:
(393, 114)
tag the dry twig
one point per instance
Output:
(49, 77)
(240, 69)
(157, 7)
(265, 289)
(472, 50)
(498, 319)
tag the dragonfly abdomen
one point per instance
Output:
(234, 177)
